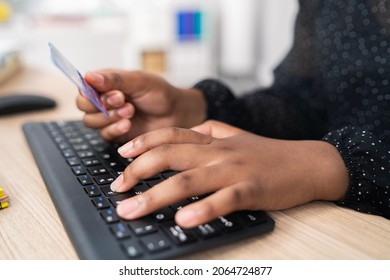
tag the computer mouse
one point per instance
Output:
(20, 103)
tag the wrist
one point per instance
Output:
(333, 179)
(191, 107)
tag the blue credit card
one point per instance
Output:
(74, 75)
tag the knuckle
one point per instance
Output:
(175, 132)
(241, 195)
(131, 170)
(165, 148)
(131, 173)
(208, 209)
(237, 195)
(222, 146)
(140, 76)
(249, 196)
(183, 181)
(115, 78)
(141, 140)
(147, 198)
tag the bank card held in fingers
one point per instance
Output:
(74, 75)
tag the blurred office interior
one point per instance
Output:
(238, 41)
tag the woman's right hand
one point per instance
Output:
(139, 102)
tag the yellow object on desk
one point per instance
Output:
(4, 199)
(4, 204)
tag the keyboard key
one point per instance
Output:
(163, 215)
(104, 179)
(115, 200)
(77, 140)
(228, 223)
(72, 161)
(132, 249)
(180, 236)
(85, 154)
(142, 226)
(109, 216)
(120, 231)
(116, 166)
(140, 188)
(197, 198)
(177, 206)
(152, 182)
(97, 170)
(78, 170)
(100, 148)
(63, 145)
(68, 152)
(91, 162)
(252, 218)
(92, 191)
(59, 139)
(155, 243)
(100, 202)
(71, 134)
(81, 147)
(85, 180)
(208, 230)
(108, 192)
(89, 135)
(106, 156)
(96, 142)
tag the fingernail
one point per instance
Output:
(186, 217)
(123, 126)
(117, 183)
(127, 209)
(123, 150)
(124, 112)
(96, 78)
(114, 100)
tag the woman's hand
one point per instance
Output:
(240, 169)
(139, 102)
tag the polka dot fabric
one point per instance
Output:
(367, 160)
(334, 86)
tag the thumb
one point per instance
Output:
(103, 81)
(125, 81)
(217, 129)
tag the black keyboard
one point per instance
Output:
(78, 167)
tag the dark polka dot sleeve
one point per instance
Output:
(334, 79)
(367, 159)
(260, 112)
(222, 104)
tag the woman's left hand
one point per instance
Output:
(240, 170)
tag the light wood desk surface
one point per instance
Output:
(31, 229)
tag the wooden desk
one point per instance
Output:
(31, 229)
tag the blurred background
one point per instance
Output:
(238, 41)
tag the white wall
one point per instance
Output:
(244, 38)
(276, 35)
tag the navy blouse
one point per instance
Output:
(334, 85)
